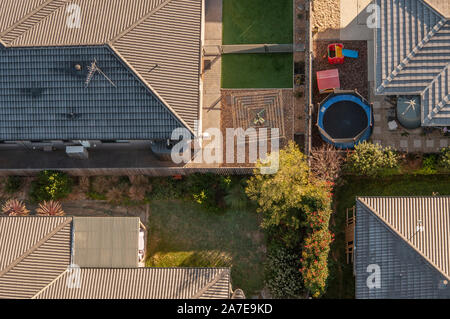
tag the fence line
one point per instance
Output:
(150, 171)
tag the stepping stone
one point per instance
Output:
(377, 130)
(443, 143)
(376, 105)
(404, 143)
(417, 143)
(377, 117)
(429, 143)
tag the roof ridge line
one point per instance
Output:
(149, 86)
(411, 54)
(35, 246)
(49, 284)
(27, 16)
(138, 22)
(440, 104)
(209, 285)
(395, 231)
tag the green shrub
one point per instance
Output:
(444, 158)
(50, 185)
(371, 159)
(429, 164)
(236, 199)
(282, 275)
(208, 190)
(13, 184)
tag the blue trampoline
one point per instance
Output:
(345, 119)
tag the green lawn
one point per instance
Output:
(257, 21)
(341, 280)
(257, 71)
(182, 235)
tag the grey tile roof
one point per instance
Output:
(413, 261)
(43, 97)
(36, 252)
(412, 55)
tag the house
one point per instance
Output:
(92, 258)
(83, 72)
(412, 55)
(402, 247)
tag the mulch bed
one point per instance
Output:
(352, 74)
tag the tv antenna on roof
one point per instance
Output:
(93, 68)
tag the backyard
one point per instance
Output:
(257, 22)
(341, 280)
(257, 71)
(182, 235)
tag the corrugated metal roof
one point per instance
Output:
(43, 97)
(442, 6)
(404, 273)
(12, 12)
(166, 33)
(170, 39)
(19, 234)
(36, 252)
(142, 283)
(412, 52)
(422, 222)
(110, 242)
(42, 262)
(101, 21)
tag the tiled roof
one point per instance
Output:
(166, 33)
(412, 54)
(143, 283)
(409, 238)
(43, 97)
(36, 253)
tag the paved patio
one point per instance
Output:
(401, 138)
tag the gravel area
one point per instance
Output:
(326, 16)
